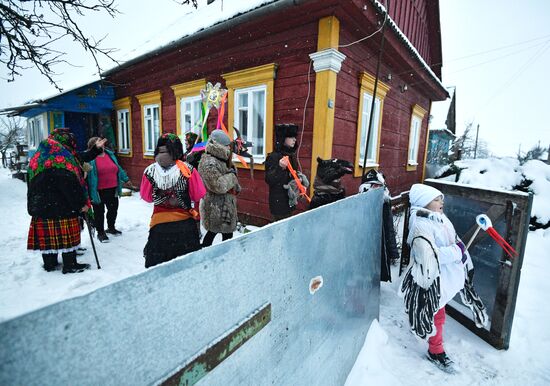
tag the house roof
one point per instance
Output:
(447, 131)
(209, 20)
(408, 43)
(95, 96)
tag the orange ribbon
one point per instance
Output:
(301, 187)
(221, 113)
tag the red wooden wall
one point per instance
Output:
(286, 38)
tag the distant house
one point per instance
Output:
(86, 110)
(278, 57)
(440, 141)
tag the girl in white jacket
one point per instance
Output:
(440, 268)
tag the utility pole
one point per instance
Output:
(475, 148)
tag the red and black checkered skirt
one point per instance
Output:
(54, 235)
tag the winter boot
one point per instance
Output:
(442, 361)
(70, 265)
(113, 231)
(102, 237)
(50, 261)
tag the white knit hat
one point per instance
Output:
(421, 195)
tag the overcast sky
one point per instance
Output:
(495, 52)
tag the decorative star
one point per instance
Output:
(212, 95)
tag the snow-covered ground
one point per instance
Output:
(391, 354)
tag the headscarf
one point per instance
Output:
(57, 151)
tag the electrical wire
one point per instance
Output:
(304, 116)
(366, 37)
(514, 76)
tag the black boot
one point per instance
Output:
(102, 237)
(70, 265)
(113, 231)
(50, 261)
(443, 362)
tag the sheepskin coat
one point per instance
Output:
(219, 206)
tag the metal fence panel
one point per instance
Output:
(147, 328)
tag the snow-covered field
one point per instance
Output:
(391, 355)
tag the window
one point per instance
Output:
(35, 127)
(124, 130)
(152, 121)
(414, 137)
(250, 108)
(191, 111)
(366, 82)
(250, 117)
(188, 105)
(372, 135)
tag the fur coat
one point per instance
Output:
(219, 207)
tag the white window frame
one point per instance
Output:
(414, 140)
(123, 127)
(415, 130)
(365, 117)
(36, 132)
(252, 132)
(195, 110)
(155, 134)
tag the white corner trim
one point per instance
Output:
(328, 59)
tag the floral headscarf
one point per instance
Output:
(57, 151)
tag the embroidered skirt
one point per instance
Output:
(54, 235)
(169, 240)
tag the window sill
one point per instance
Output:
(357, 172)
(411, 167)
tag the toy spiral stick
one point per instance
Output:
(484, 222)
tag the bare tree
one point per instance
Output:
(12, 132)
(463, 146)
(29, 29)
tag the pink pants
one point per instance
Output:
(435, 343)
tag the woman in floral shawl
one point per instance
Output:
(56, 196)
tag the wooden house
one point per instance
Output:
(308, 62)
(86, 110)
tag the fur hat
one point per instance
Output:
(286, 130)
(220, 137)
(282, 131)
(421, 195)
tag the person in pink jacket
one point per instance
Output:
(175, 188)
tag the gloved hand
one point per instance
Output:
(462, 247)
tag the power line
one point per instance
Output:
(514, 77)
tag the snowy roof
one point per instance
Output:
(444, 130)
(204, 20)
(409, 45)
(39, 101)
